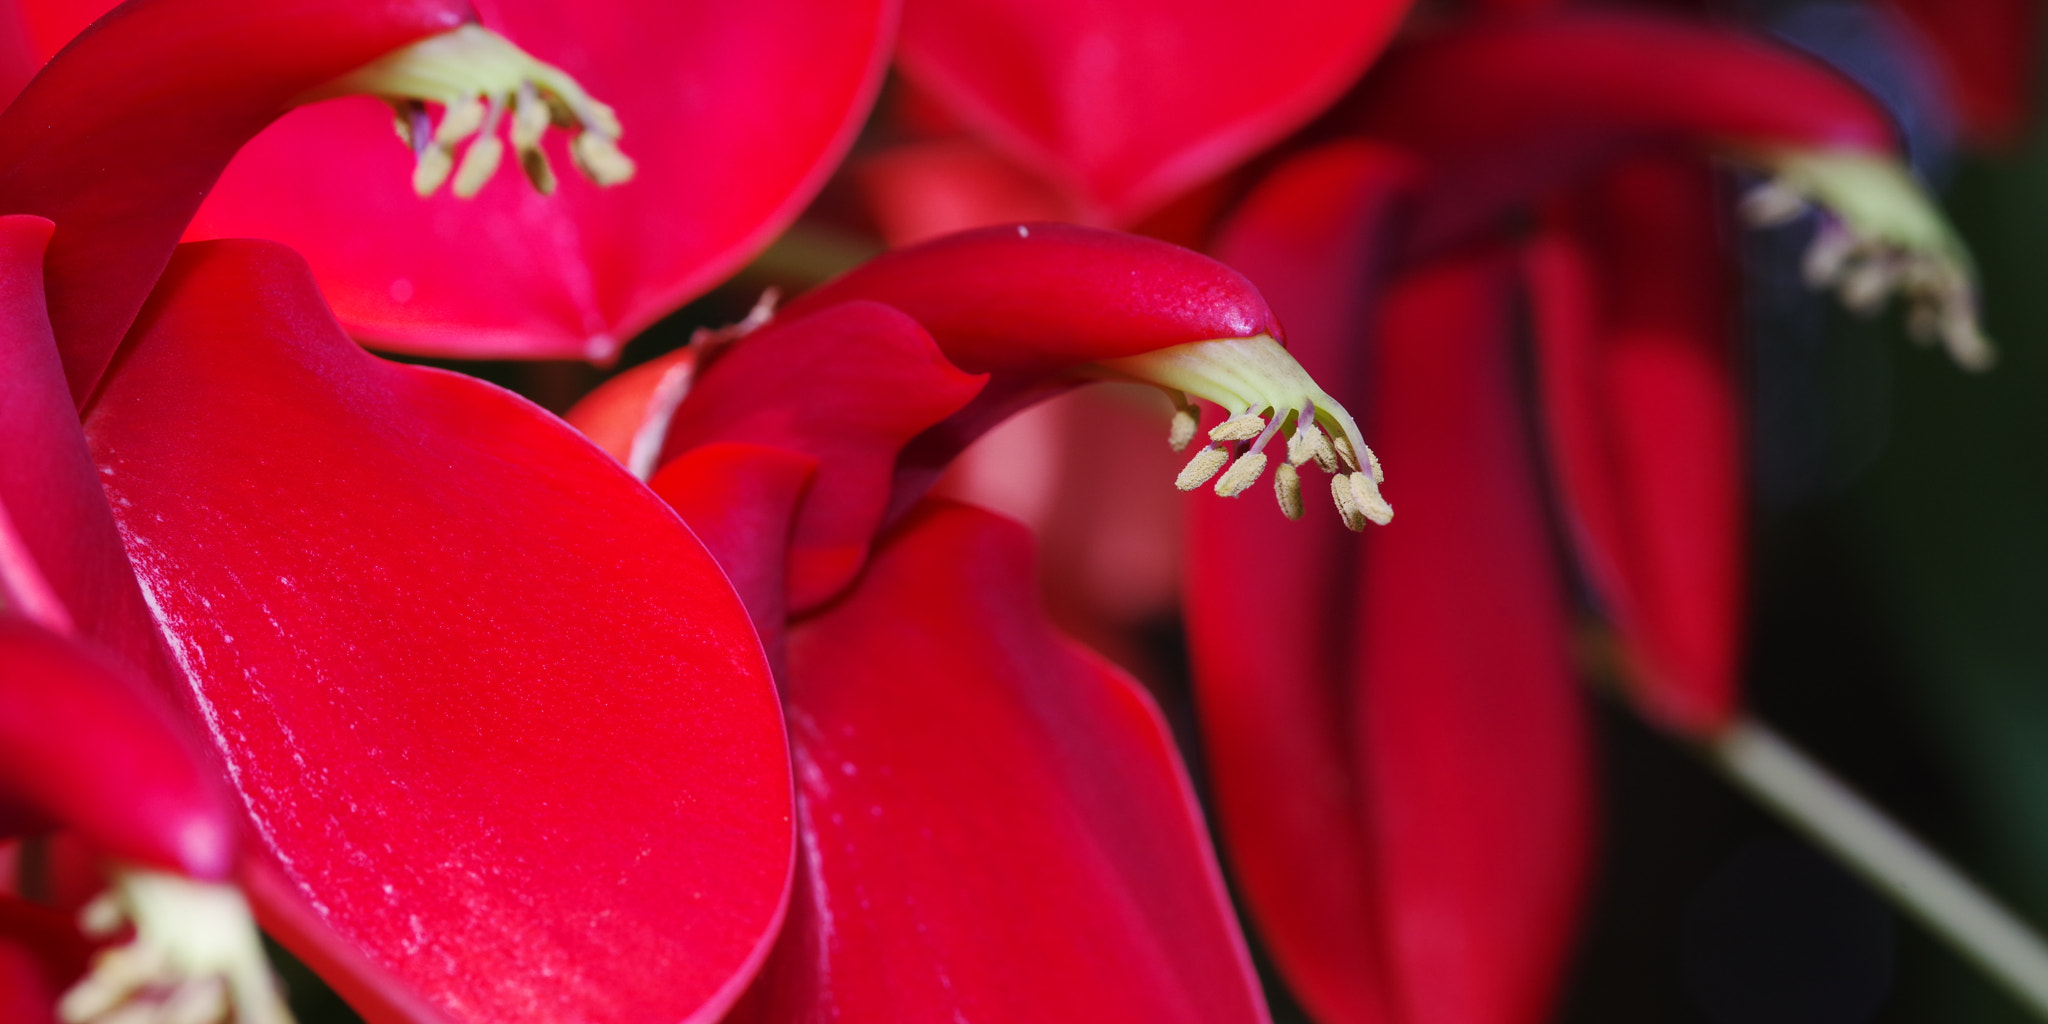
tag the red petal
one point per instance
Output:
(736, 114)
(120, 137)
(1642, 409)
(1469, 740)
(849, 387)
(741, 500)
(1129, 104)
(923, 190)
(61, 561)
(1045, 298)
(497, 715)
(996, 826)
(1269, 667)
(1506, 111)
(83, 744)
(1989, 49)
(41, 955)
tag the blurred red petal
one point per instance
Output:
(735, 113)
(87, 746)
(1641, 404)
(1129, 104)
(500, 720)
(41, 955)
(1266, 601)
(1468, 738)
(848, 386)
(119, 139)
(922, 190)
(741, 500)
(1990, 49)
(1506, 111)
(996, 824)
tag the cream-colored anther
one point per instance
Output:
(1366, 495)
(1182, 430)
(1882, 235)
(1287, 488)
(600, 159)
(530, 119)
(1345, 452)
(458, 70)
(482, 158)
(1771, 204)
(1239, 428)
(1347, 503)
(1242, 474)
(1200, 468)
(1372, 465)
(1302, 446)
(194, 957)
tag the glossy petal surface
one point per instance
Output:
(996, 826)
(1128, 104)
(1043, 298)
(85, 745)
(120, 137)
(443, 643)
(735, 114)
(849, 386)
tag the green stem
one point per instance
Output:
(1900, 866)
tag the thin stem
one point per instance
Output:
(1903, 868)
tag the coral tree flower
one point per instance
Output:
(994, 824)
(504, 740)
(1385, 798)
(737, 114)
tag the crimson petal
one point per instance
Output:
(120, 136)
(1268, 667)
(996, 825)
(1129, 104)
(497, 716)
(735, 113)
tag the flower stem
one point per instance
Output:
(1900, 866)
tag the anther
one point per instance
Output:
(1200, 468)
(1242, 474)
(1306, 440)
(1366, 495)
(1344, 451)
(529, 122)
(482, 158)
(1287, 488)
(1185, 422)
(1242, 427)
(1347, 503)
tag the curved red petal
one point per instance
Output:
(923, 190)
(1129, 104)
(1468, 741)
(848, 386)
(996, 825)
(121, 135)
(84, 744)
(1505, 111)
(497, 715)
(1266, 605)
(735, 113)
(741, 501)
(1641, 405)
(61, 561)
(1045, 298)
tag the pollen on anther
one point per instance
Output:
(1200, 468)
(1366, 495)
(1242, 474)
(1287, 488)
(1183, 429)
(1239, 428)
(1347, 503)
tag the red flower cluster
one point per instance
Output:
(722, 716)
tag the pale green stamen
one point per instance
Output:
(1883, 235)
(1265, 392)
(480, 80)
(194, 956)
